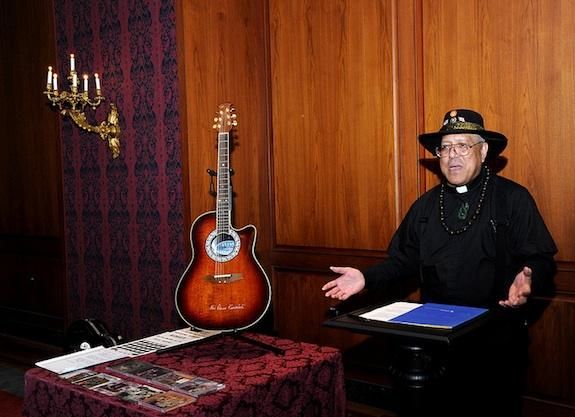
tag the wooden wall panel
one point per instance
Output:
(552, 345)
(303, 309)
(333, 134)
(32, 279)
(515, 65)
(222, 45)
(30, 180)
(346, 86)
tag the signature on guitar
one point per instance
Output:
(220, 307)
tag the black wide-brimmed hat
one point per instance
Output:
(464, 121)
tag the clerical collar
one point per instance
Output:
(471, 185)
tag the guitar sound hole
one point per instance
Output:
(222, 247)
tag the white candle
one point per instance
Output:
(55, 82)
(72, 63)
(97, 78)
(49, 76)
(74, 80)
(86, 83)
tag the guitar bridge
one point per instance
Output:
(223, 278)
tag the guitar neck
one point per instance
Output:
(224, 190)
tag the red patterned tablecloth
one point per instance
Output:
(306, 382)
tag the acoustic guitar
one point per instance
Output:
(224, 286)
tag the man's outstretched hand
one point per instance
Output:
(520, 290)
(350, 282)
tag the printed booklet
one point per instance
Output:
(166, 401)
(141, 394)
(166, 378)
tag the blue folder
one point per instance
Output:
(444, 316)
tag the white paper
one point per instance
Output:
(80, 360)
(162, 341)
(390, 311)
(95, 356)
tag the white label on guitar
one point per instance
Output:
(222, 247)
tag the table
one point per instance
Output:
(305, 381)
(421, 353)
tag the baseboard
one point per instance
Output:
(367, 393)
(537, 407)
(25, 352)
(354, 409)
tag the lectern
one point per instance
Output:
(422, 353)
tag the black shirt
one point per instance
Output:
(461, 268)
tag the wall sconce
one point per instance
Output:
(73, 102)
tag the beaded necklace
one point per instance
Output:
(475, 213)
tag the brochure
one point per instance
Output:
(442, 316)
(166, 378)
(166, 401)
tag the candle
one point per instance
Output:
(74, 80)
(49, 82)
(97, 78)
(86, 83)
(72, 63)
(55, 82)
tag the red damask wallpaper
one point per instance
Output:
(123, 217)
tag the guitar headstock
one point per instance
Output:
(226, 118)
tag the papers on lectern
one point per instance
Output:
(442, 316)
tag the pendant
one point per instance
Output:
(462, 212)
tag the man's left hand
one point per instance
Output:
(519, 290)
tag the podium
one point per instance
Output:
(421, 353)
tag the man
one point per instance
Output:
(476, 239)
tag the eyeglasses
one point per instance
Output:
(461, 149)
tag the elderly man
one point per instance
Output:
(476, 239)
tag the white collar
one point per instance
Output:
(461, 189)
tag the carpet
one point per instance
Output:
(10, 405)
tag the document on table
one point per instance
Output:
(389, 311)
(163, 341)
(80, 360)
(100, 354)
(442, 316)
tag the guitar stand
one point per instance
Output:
(238, 336)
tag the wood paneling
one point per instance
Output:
(222, 45)
(552, 339)
(333, 133)
(32, 278)
(299, 301)
(514, 64)
(346, 86)
(30, 179)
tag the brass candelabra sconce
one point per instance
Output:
(73, 102)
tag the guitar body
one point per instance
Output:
(224, 287)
